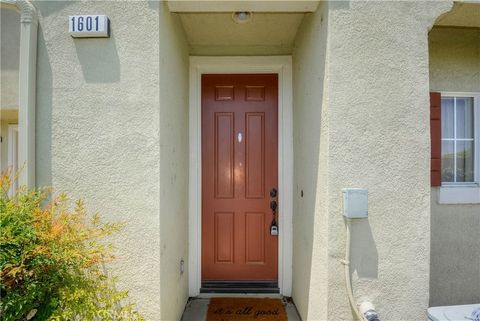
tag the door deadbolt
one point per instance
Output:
(273, 205)
(273, 193)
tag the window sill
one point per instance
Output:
(459, 194)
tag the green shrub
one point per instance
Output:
(52, 260)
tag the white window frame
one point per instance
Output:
(459, 192)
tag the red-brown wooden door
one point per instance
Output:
(239, 169)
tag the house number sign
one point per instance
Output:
(85, 26)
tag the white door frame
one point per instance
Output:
(281, 65)
(12, 155)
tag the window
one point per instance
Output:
(459, 150)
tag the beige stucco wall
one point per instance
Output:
(455, 249)
(9, 48)
(174, 66)
(454, 59)
(455, 256)
(378, 124)
(310, 221)
(98, 128)
(10, 54)
(112, 124)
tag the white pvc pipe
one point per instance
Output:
(346, 264)
(368, 311)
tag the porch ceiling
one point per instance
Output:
(243, 5)
(269, 33)
(461, 15)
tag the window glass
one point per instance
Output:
(458, 140)
(464, 111)
(447, 161)
(447, 117)
(464, 160)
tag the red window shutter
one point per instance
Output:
(436, 139)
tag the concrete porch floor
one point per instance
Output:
(196, 308)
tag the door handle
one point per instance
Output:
(273, 225)
(273, 206)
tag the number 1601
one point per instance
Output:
(84, 23)
(88, 26)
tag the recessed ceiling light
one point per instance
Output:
(242, 16)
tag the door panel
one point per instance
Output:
(224, 238)
(224, 155)
(254, 227)
(239, 168)
(255, 155)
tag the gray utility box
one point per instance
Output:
(355, 202)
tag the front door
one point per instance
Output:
(239, 171)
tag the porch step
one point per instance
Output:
(239, 287)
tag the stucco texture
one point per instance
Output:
(174, 64)
(9, 48)
(217, 34)
(455, 249)
(98, 129)
(378, 125)
(454, 55)
(310, 221)
(112, 127)
(10, 55)
(455, 258)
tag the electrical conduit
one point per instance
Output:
(346, 265)
(369, 313)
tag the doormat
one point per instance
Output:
(243, 309)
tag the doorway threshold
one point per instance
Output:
(240, 287)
